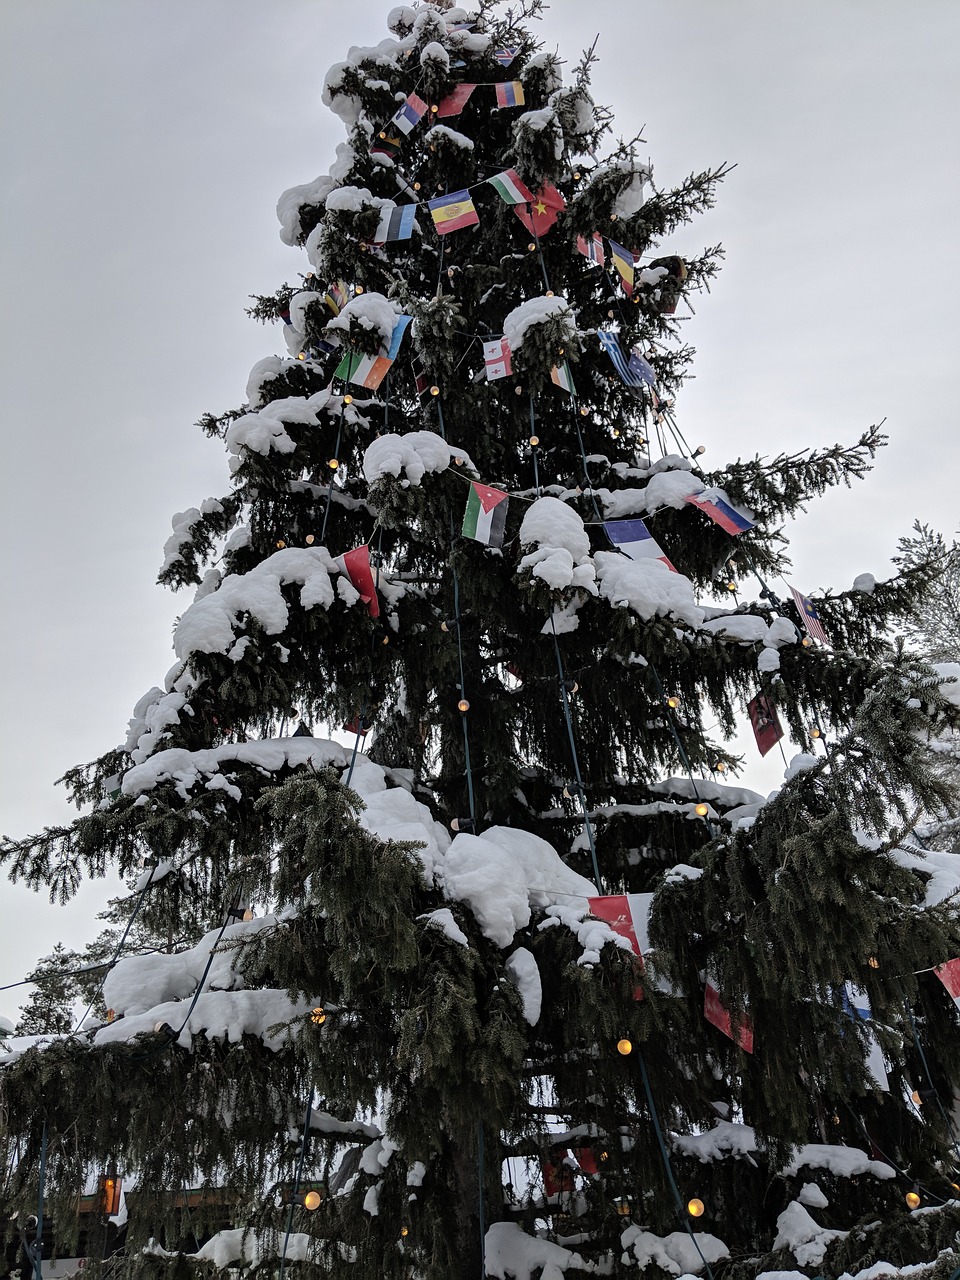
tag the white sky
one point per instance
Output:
(145, 144)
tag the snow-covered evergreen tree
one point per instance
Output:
(469, 1012)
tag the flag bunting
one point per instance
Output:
(453, 212)
(357, 566)
(496, 359)
(715, 504)
(765, 722)
(486, 515)
(510, 94)
(635, 540)
(811, 619)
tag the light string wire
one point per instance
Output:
(298, 1173)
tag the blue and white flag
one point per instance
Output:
(630, 372)
(644, 371)
(856, 1005)
(396, 223)
(634, 540)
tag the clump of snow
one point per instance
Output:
(227, 1248)
(536, 311)
(543, 121)
(394, 814)
(663, 489)
(745, 628)
(290, 203)
(443, 133)
(210, 625)
(501, 874)
(631, 198)
(443, 919)
(219, 1015)
(800, 764)
(845, 1162)
(675, 1253)
(812, 1196)
(725, 1139)
(187, 769)
(866, 583)
(647, 587)
(349, 199)
(513, 1255)
(435, 56)
(263, 371)
(412, 455)
(781, 632)
(563, 546)
(182, 524)
(806, 1239)
(152, 716)
(522, 968)
(370, 311)
(768, 661)
(264, 430)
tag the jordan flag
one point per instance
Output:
(486, 515)
(357, 567)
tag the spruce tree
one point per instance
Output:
(454, 975)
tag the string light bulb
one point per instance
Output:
(531, 246)
(613, 217)
(518, 391)
(673, 702)
(434, 109)
(385, 640)
(916, 1099)
(576, 177)
(702, 810)
(584, 411)
(348, 399)
(405, 1231)
(624, 1047)
(463, 705)
(700, 449)
(434, 391)
(873, 962)
(416, 186)
(111, 1014)
(623, 1208)
(318, 1016)
(814, 732)
(309, 539)
(604, 1157)
(311, 1200)
(280, 544)
(334, 464)
(534, 441)
(358, 288)
(695, 1207)
(301, 355)
(616, 433)
(806, 642)
(721, 766)
(913, 1198)
(458, 462)
(731, 585)
(549, 293)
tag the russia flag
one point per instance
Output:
(715, 504)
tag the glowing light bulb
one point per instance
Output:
(302, 355)
(814, 732)
(405, 1231)
(616, 433)
(309, 539)
(434, 391)
(695, 1207)
(576, 177)
(334, 464)
(534, 441)
(624, 1047)
(549, 293)
(318, 1016)
(873, 962)
(721, 766)
(613, 217)
(912, 1199)
(463, 705)
(673, 703)
(916, 1099)
(731, 586)
(280, 544)
(311, 1200)
(348, 399)
(358, 288)
(702, 810)
(806, 642)
(531, 246)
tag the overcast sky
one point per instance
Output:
(144, 145)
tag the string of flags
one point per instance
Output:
(635, 540)
(370, 371)
(485, 518)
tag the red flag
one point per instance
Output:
(766, 723)
(357, 565)
(949, 975)
(556, 1177)
(540, 216)
(719, 1015)
(626, 914)
(454, 102)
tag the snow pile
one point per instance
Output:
(443, 133)
(394, 814)
(800, 763)
(264, 430)
(371, 312)
(537, 311)
(664, 489)
(866, 583)
(443, 919)
(513, 1255)
(353, 200)
(227, 1248)
(152, 716)
(941, 871)
(720, 794)
(631, 198)
(522, 969)
(844, 1162)
(563, 547)
(186, 769)
(593, 935)
(137, 983)
(536, 122)
(413, 454)
(210, 625)
(501, 874)
(806, 1239)
(676, 1253)
(723, 1140)
(647, 587)
(219, 1015)
(182, 524)
(291, 201)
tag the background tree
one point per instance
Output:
(484, 1053)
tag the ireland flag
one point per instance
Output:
(486, 515)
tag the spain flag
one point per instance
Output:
(453, 212)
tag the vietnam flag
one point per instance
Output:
(356, 565)
(539, 216)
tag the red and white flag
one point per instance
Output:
(949, 975)
(496, 359)
(356, 565)
(739, 1030)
